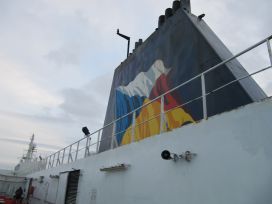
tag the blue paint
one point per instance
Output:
(124, 105)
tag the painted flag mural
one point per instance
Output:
(182, 48)
(139, 92)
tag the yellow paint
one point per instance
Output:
(173, 119)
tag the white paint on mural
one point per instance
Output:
(144, 81)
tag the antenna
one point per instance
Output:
(127, 38)
(31, 149)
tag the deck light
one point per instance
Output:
(86, 131)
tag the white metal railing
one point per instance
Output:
(84, 148)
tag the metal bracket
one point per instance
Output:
(117, 167)
(187, 156)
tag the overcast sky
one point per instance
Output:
(57, 59)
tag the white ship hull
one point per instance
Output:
(233, 165)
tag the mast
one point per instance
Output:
(31, 149)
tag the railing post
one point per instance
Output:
(133, 126)
(49, 163)
(63, 155)
(46, 160)
(113, 135)
(204, 99)
(162, 115)
(98, 140)
(269, 50)
(70, 155)
(77, 150)
(43, 164)
(87, 152)
(53, 160)
(58, 159)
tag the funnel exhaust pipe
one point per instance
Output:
(168, 13)
(175, 6)
(161, 20)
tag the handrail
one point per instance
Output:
(193, 78)
(60, 160)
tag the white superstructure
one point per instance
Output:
(233, 165)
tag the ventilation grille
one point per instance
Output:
(71, 192)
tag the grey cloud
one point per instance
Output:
(68, 54)
(79, 102)
(88, 103)
(24, 142)
(16, 141)
(48, 129)
(239, 24)
(78, 37)
(101, 86)
(34, 117)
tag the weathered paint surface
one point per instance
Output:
(233, 165)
